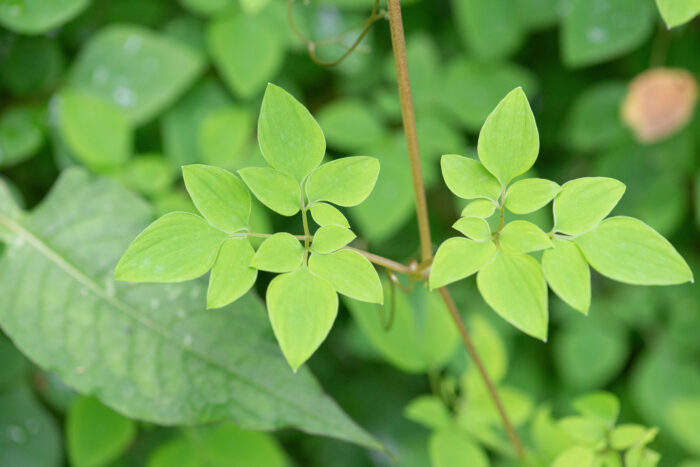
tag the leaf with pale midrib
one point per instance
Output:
(149, 351)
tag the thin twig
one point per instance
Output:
(469, 344)
(398, 43)
(311, 46)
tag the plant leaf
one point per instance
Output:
(224, 136)
(586, 430)
(575, 456)
(325, 214)
(526, 196)
(28, 17)
(231, 276)
(584, 202)
(350, 274)
(350, 125)
(276, 190)
(429, 411)
(222, 198)
(220, 444)
(458, 258)
(422, 335)
(345, 182)
(523, 237)
(245, 67)
(452, 448)
(21, 134)
(281, 252)
(61, 273)
(137, 69)
(96, 130)
(628, 250)
(483, 208)
(95, 434)
(31, 436)
(330, 238)
(468, 178)
(594, 35)
(600, 404)
(508, 141)
(475, 228)
(677, 12)
(289, 137)
(568, 274)
(514, 286)
(302, 309)
(177, 247)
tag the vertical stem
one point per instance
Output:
(469, 344)
(409, 123)
(398, 43)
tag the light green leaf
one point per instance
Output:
(593, 122)
(628, 250)
(325, 214)
(523, 237)
(289, 137)
(35, 17)
(181, 124)
(231, 276)
(514, 286)
(224, 137)
(330, 238)
(280, 252)
(149, 174)
(247, 50)
(458, 258)
(96, 130)
(472, 88)
(590, 355)
(627, 435)
(96, 435)
(452, 448)
(345, 182)
(642, 457)
(677, 12)
(584, 202)
(350, 125)
(219, 195)
(610, 29)
(475, 228)
(21, 134)
(177, 247)
(586, 430)
(508, 141)
(568, 274)
(61, 272)
(302, 309)
(602, 405)
(429, 411)
(137, 69)
(548, 437)
(350, 274)
(30, 436)
(488, 27)
(526, 196)
(468, 178)
(223, 444)
(575, 456)
(483, 208)
(276, 190)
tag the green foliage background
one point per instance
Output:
(131, 90)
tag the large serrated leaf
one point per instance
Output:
(148, 351)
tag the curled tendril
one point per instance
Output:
(311, 46)
(393, 283)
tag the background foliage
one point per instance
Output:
(130, 90)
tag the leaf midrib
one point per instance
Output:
(132, 313)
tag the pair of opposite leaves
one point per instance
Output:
(302, 300)
(511, 281)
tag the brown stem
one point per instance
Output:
(409, 122)
(469, 344)
(385, 262)
(398, 43)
